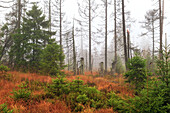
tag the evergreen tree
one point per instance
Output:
(137, 72)
(50, 59)
(32, 38)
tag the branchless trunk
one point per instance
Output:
(106, 36)
(74, 52)
(115, 31)
(128, 45)
(50, 16)
(90, 67)
(124, 32)
(160, 25)
(61, 48)
(19, 13)
(153, 50)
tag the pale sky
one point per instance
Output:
(137, 8)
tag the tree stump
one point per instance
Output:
(101, 69)
(82, 66)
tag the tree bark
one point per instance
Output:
(90, 67)
(115, 31)
(50, 17)
(160, 25)
(74, 52)
(19, 14)
(128, 45)
(124, 33)
(153, 51)
(61, 48)
(106, 37)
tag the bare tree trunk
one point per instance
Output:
(61, 48)
(106, 37)
(153, 51)
(82, 66)
(19, 14)
(74, 52)
(68, 55)
(86, 60)
(50, 16)
(124, 33)
(81, 44)
(160, 25)
(90, 67)
(128, 46)
(115, 31)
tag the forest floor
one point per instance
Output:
(13, 79)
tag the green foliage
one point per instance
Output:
(117, 103)
(29, 40)
(119, 66)
(24, 93)
(50, 60)
(8, 77)
(76, 94)
(4, 109)
(4, 68)
(155, 98)
(82, 99)
(59, 87)
(77, 86)
(163, 67)
(92, 93)
(136, 74)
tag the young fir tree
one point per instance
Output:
(32, 38)
(136, 74)
(50, 60)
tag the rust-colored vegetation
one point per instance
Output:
(40, 104)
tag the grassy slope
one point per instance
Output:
(7, 84)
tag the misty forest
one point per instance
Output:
(86, 56)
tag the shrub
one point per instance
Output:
(136, 74)
(59, 87)
(3, 68)
(163, 68)
(24, 93)
(4, 109)
(117, 103)
(92, 93)
(82, 99)
(154, 99)
(77, 86)
(50, 60)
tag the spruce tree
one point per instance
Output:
(32, 38)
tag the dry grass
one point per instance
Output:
(115, 84)
(108, 83)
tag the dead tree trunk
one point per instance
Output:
(90, 67)
(82, 66)
(61, 48)
(160, 25)
(86, 61)
(101, 69)
(115, 30)
(19, 14)
(153, 51)
(74, 52)
(106, 37)
(124, 33)
(50, 17)
(128, 45)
